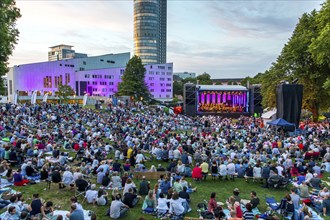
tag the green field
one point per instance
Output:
(223, 188)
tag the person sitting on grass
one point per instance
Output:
(176, 207)
(234, 205)
(118, 209)
(18, 179)
(102, 197)
(75, 213)
(149, 204)
(130, 198)
(47, 211)
(255, 201)
(212, 204)
(248, 214)
(91, 195)
(162, 207)
(197, 172)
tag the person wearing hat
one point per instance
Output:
(236, 195)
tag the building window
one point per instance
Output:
(152, 84)
(157, 73)
(104, 90)
(168, 90)
(87, 75)
(94, 89)
(103, 83)
(168, 84)
(122, 71)
(161, 67)
(169, 68)
(151, 78)
(94, 83)
(162, 84)
(110, 83)
(48, 82)
(151, 72)
(162, 90)
(162, 79)
(168, 73)
(152, 90)
(67, 78)
(169, 79)
(84, 62)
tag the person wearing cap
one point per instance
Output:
(236, 195)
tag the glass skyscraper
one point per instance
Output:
(150, 18)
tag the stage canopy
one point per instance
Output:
(221, 88)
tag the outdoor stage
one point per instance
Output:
(224, 100)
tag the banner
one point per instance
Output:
(15, 98)
(85, 99)
(34, 97)
(45, 97)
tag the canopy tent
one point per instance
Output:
(281, 123)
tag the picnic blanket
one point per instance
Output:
(87, 214)
(5, 183)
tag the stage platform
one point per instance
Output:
(225, 114)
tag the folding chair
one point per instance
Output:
(81, 192)
(271, 202)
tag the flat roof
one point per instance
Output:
(61, 45)
(222, 87)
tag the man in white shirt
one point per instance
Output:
(67, 177)
(118, 208)
(91, 195)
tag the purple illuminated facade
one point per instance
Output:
(97, 76)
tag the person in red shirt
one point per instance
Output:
(197, 172)
(212, 203)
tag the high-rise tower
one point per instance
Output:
(150, 18)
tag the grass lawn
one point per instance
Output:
(223, 188)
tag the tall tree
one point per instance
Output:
(204, 79)
(9, 13)
(133, 83)
(305, 59)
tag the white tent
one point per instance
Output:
(269, 116)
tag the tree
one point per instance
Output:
(305, 58)
(9, 13)
(133, 83)
(204, 79)
(63, 93)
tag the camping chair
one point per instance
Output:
(81, 192)
(271, 202)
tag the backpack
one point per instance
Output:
(207, 215)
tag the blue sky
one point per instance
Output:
(227, 39)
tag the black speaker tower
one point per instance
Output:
(190, 99)
(289, 102)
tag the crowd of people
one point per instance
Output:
(37, 141)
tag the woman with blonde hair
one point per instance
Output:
(129, 184)
(156, 191)
(153, 168)
(149, 204)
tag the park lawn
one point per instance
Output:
(223, 188)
